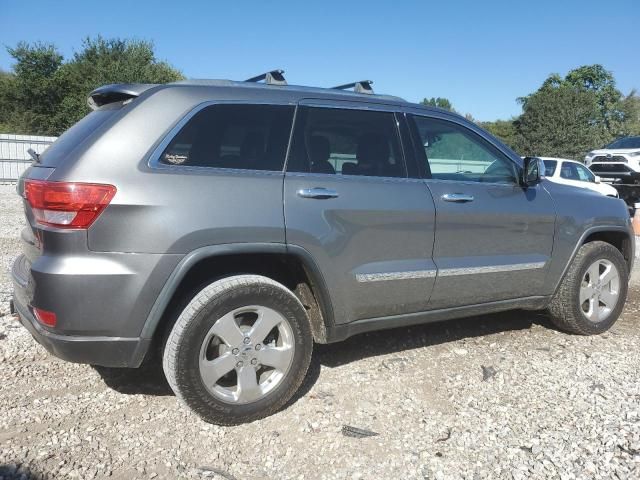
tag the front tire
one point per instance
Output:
(592, 294)
(239, 350)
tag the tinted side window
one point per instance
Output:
(233, 136)
(346, 142)
(454, 152)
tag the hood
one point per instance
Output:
(577, 192)
(614, 151)
(603, 188)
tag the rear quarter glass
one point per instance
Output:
(61, 149)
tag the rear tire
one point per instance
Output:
(592, 294)
(239, 350)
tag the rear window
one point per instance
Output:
(59, 150)
(253, 137)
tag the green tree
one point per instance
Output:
(560, 122)
(46, 95)
(30, 95)
(104, 61)
(631, 109)
(610, 114)
(505, 130)
(439, 102)
(596, 79)
(6, 86)
(589, 111)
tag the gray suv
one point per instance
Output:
(226, 227)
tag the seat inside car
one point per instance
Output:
(319, 151)
(373, 156)
(251, 150)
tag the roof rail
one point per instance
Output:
(274, 77)
(363, 86)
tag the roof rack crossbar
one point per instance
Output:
(363, 86)
(274, 77)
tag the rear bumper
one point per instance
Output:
(105, 351)
(87, 331)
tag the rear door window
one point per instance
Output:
(550, 167)
(346, 142)
(253, 137)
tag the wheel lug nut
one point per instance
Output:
(239, 364)
(258, 347)
(246, 340)
(235, 351)
(253, 361)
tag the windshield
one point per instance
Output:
(550, 167)
(628, 142)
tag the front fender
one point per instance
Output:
(580, 214)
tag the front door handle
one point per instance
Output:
(318, 193)
(457, 197)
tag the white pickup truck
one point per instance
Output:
(570, 172)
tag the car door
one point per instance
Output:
(349, 204)
(578, 175)
(568, 174)
(584, 174)
(493, 237)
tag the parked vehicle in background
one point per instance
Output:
(570, 172)
(229, 226)
(619, 164)
(620, 158)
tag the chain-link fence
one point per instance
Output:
(14, 156)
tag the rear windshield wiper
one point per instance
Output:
(35, 156)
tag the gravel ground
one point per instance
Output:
(503, 396)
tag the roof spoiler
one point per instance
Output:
(116, 93)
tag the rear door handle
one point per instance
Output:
(457, 197)
(318, 193)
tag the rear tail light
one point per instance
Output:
(46, 318)
(69, 205)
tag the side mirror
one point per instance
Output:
(531, 171)
(597, 179)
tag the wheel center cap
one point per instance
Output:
(246, 351)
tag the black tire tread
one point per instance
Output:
(186, 392)
(564, 309)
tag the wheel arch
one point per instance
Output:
(621, 239)
(618, 236)
(294, 267)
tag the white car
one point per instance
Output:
(620, 159)
(570, 172)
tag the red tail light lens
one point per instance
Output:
(46, 318)
(67, 204)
